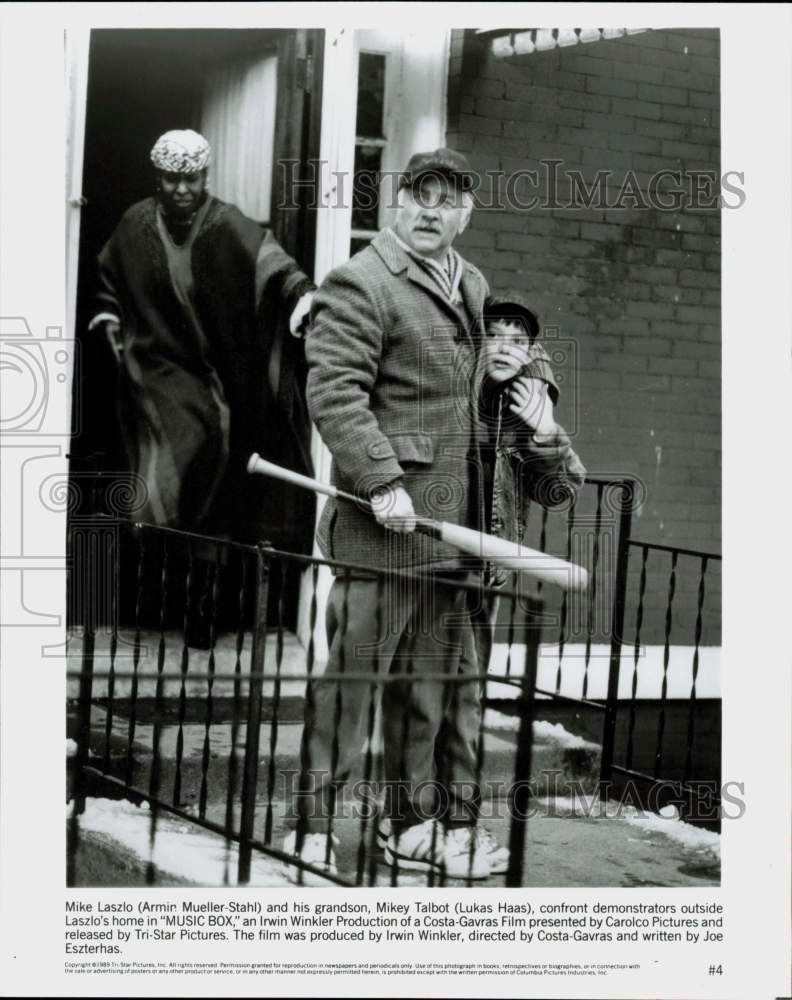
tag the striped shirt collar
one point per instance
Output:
(446, 274)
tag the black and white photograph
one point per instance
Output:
(519, 339)
(371, 505)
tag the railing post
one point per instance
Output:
(83, 705)
(256, 686)
(521, 793)
(617, 630)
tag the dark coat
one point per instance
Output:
(199, 398)
(392, 388)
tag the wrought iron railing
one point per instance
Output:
(144, 682)
(185, 639)
(664, 606)
(667, 772)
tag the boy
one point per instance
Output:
(529, 455)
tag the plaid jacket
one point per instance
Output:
(392, 389)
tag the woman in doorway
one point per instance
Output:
(204, 310)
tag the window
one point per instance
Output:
(400, 109)
(370, 143)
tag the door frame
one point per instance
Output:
(297, 140)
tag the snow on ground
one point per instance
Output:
(550, 732)
(497, 720)
(669, 824)
(694, 837)
(187, 852)
(180, 849)
(554, 732)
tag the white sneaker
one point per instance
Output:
(315, 853)
(497, 856)
(429, 847)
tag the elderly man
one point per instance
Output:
(199, 304)
(392, 354)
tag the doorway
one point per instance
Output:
(252, 93)
(251, 89)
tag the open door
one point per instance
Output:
(249, 89)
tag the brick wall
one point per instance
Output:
(634, 293)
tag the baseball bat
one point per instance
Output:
(539, 565)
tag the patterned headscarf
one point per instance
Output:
(181, 151)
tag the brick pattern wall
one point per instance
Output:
(633, 293)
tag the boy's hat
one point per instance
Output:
(512, 306)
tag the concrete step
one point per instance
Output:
(559, 760)
(591, 848)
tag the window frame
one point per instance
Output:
(382, 142)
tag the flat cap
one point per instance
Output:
(444, 162)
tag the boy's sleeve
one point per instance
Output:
(550, 473)
(539, 367)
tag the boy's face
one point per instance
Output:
(506, 349)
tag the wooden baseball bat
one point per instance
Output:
(549, 569)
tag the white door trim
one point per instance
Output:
(415, 115)
(77, 47)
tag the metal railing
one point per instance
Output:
(663, 599)
(160, 720)
(665, 772)
(185, 644)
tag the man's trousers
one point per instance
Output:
(404, 630)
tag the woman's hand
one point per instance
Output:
(113, 333)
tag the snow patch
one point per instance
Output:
(669, 824)
(586, 806)
(493, 719)
(693, 837)
(179, 848)
(552, 732)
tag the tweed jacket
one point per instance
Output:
(392, 376)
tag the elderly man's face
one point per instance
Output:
(180, 194)
(431, 215)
